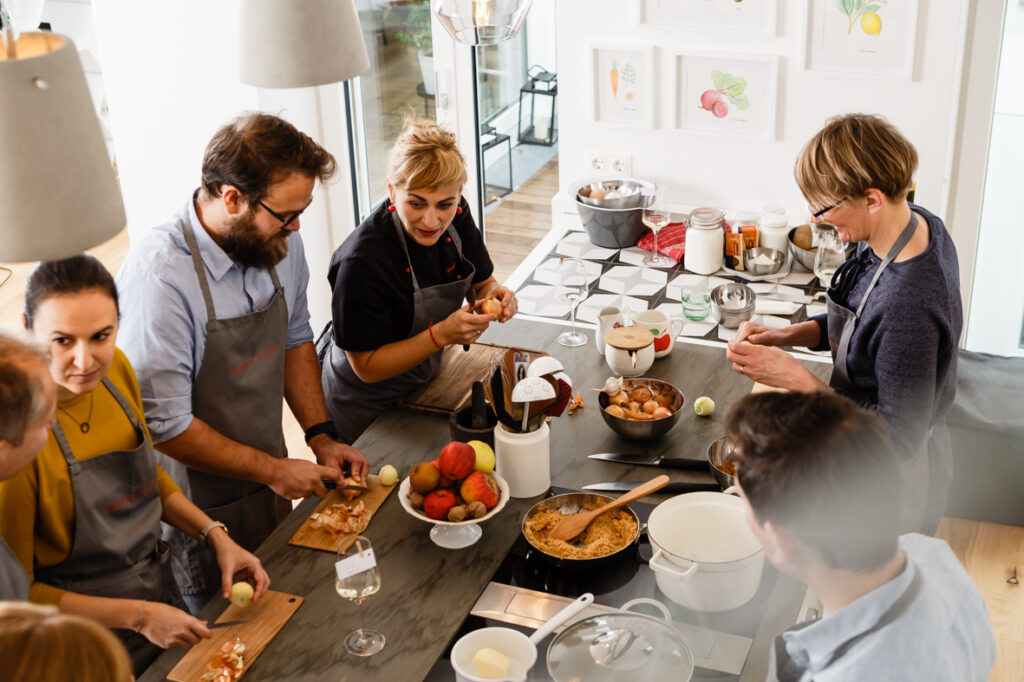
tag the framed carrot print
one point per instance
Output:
(622, 79)
(726, 93)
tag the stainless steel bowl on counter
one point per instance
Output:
(650, 429)
(606, 225)
(806, 256)
(626, 194)
(775, 257)
(732, 303)
(721, 466)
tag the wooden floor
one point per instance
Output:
(521, 220)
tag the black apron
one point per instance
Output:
(116, 550)
(352, 403)
(914, 472)
(780, 665)
(14, 582)
(239, 392)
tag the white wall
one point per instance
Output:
(747, 174)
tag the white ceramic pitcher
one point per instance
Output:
(606, 319)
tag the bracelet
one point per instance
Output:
(208, 528)
(323, 427)
(142, 611)
(430, 330)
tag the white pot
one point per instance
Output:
(705, 556)
(427, 72)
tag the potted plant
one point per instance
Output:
(417, 34)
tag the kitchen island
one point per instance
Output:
(428, 591)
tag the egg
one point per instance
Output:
(597, 193)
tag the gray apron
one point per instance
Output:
(13, 579)
(239, 392)
(780, 665)
(352, 403)
(116, 550)
(842, 321)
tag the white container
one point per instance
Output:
(705, 556)
(521, 652)
(773, 230)
(705, 242)
(606, 319)
(629, 351)
(664, 328)
(524, 460)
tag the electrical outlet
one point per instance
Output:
(613, 163)
(596, 163)
(621, 164)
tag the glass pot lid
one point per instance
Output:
(619, 646)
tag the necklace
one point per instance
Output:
(84, 425)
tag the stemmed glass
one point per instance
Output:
(571, 288)
(655, 215)
(357, 577)
(831, 254)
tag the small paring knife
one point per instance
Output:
(653, 461)
(331, 485)
(226, 624)
(677, 488)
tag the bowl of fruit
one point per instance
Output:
(645, 409)
(455, 492)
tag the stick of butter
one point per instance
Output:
(491, 664)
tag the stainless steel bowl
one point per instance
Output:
(651, 429)
(806, 256)
(732, 304)
(612, 228)
(629, 190)
(718, 452)
(778, 259)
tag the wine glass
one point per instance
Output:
(571, 288)
(357, 577)
(830, 255)
(655, 215)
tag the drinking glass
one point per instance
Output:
(571, 288)
(830, 255)
(696, 302)
(655, 215)
(357, 577)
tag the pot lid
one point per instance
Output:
(619, 646)
(628, 338)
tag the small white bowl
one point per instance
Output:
(455, 534)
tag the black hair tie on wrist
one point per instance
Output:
(323, 427)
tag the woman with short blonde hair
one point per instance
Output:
(894, 313)
(41, 644)
(409, 281)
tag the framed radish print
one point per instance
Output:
(726, 93)
(623, 86)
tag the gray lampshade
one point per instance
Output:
(299, 43)
(481, 22)
(58, 194)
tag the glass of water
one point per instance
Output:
(696, 302)
(571, 288)
(356, 578)
(655, 215)
(830, 255)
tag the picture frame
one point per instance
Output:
(861, 37)
(623, 85)
(758, 16)
(723, 93)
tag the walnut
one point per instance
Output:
(457, 513)
(415, 500)
(476, 509)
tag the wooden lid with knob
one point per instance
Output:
(628, 338)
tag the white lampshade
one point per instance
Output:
(58, 194)
(482, 22)
(299, 43)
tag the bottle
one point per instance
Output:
(705, 242)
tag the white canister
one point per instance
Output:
(629, 351)
(523, 460)
(773, 230)
(705, 242)
(608, 318)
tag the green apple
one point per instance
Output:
(484, 456)
(241, 594)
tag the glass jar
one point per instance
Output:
(773, 231)
(705, 242)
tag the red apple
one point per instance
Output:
(478, 486)
(457, 460)
(437, 503)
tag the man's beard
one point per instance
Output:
(243, 243)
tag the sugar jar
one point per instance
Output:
(705, 241)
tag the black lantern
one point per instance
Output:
(541, 84)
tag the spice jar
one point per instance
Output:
(705, 241)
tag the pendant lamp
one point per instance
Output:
(482, 22)
(300, 43)
(58, 193)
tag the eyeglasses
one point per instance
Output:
(818, 214)
(285, 222)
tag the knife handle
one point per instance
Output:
(683, 463)
(680, 488)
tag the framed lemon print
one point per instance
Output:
(867, 37)
(622, 85)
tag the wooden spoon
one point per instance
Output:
(571, 526)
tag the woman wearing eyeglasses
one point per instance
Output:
(894, 313)
(408, 282)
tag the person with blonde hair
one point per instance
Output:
(409, 281)
(894, 313)
(41, 644)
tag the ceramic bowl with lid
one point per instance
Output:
(629, 351)
(732, 303)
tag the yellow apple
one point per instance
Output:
(484, 456)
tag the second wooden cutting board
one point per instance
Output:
(319, 538)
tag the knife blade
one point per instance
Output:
(653, 461)
(226, 624)
(676, 488)
(331, 485)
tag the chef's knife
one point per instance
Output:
(654, 461)
(671, 488)
(226, 624)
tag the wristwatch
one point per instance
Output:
(208, 527)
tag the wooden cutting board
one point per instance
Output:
(452, 386)
(265, 618)
(318, 538)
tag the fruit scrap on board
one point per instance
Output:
(342, 519)
(575, 403)
(227, 665)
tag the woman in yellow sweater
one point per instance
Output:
(84, 517)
